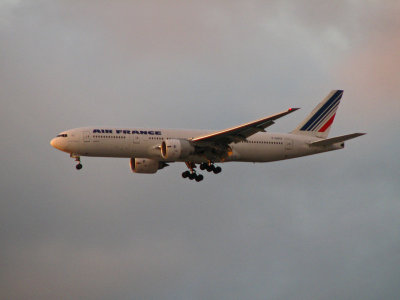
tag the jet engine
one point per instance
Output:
(146, 165)
(174, 149)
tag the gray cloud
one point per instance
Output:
(318, 227)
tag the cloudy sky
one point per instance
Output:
(319, 227)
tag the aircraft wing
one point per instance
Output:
(241, 132)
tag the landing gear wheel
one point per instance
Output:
(203, 166)
(209, 168)
(185, 174)
(217, 170)
(78, 166)
(192, 176)
(199, 178)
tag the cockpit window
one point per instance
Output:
(62, 135)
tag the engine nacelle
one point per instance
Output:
(145, 165)
(175, 149)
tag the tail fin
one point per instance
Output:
(318, 123)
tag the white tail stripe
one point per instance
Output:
(327, 116)
(320, 115)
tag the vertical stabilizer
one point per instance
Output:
(318, 123)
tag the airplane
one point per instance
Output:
(152, 149)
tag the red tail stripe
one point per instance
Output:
(327, 124)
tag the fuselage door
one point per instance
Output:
(136, 139)
(288, 144)
(86, 136)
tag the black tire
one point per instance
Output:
(185, 174)
(199, 177)
(217, 170)
(203, 166)
(192, 176)
(209, 168)
(78, 166)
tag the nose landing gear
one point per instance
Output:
(78, 160)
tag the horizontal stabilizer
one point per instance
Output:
(338, 139)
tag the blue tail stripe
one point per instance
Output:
(322, 111)
(322, 117)
(335, 97)
(323, 114)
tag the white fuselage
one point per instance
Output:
(145, 143)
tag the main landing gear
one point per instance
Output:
(210, 168)
(78, 160)
(192, 175)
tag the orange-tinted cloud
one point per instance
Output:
(371, 70)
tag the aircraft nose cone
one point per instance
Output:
(53, 142)
(59, 144)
